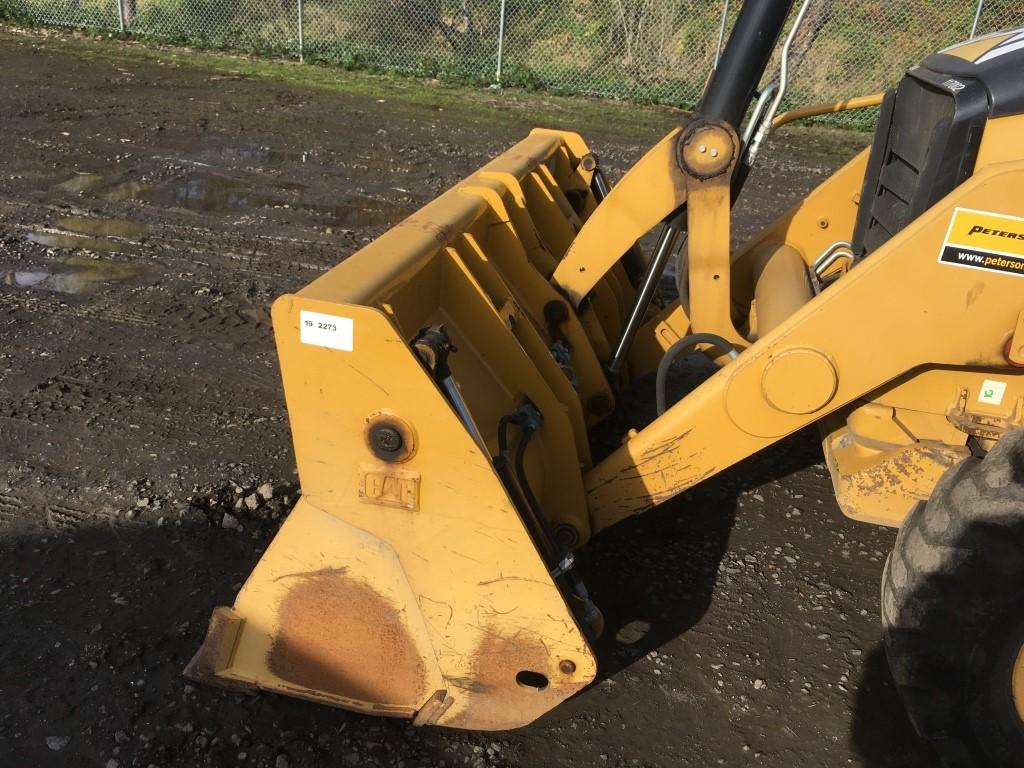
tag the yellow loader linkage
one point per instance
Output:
(442, 382)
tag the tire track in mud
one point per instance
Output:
(64, 518)
(186, 244)
(11, 509)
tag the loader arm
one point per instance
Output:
(846, 342)
(656, 187)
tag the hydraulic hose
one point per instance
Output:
(531, 498)
(686, 343)
(527, 419)
(559, 559)
(592, 616)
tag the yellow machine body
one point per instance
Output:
(408, 584)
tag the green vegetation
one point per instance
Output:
(648, 51)
(595, 117)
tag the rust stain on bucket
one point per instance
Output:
(514, 681)
(339, 636)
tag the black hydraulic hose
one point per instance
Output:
(507, 474)
(524, 482)
(558, 559)
(687, 342)
(732, 85)
(503, 433)
(517, 466)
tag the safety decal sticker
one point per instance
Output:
(992, 392)
(328, 331)
(984, 240)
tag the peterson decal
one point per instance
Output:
(982, 240)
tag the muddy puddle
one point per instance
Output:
(81, 182)
(71, 242)
(195, 193)
(78, 273)
(75, 275)
(211, 194)
(256, 154)
(83, 233)
(125, 190)
(364, 212)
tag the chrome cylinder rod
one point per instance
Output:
(667, 241)
(455, 398)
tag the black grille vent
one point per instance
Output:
(925, 145)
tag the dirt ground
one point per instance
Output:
(150, 210)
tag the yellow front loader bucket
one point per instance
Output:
(439, 390)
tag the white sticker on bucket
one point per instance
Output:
(329, 331)
(992, 392)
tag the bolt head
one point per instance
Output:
(714, 153)
(566, 667)
(702, 148)
(388, 439)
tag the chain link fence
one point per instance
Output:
(655, 51)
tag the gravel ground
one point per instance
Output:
(151, 207)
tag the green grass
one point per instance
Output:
(646, 53)
(485, 105)
(403, 90)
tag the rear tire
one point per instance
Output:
(953, 610)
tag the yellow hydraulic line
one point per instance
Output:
(814, 110)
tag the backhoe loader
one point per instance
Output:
(443, 383)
